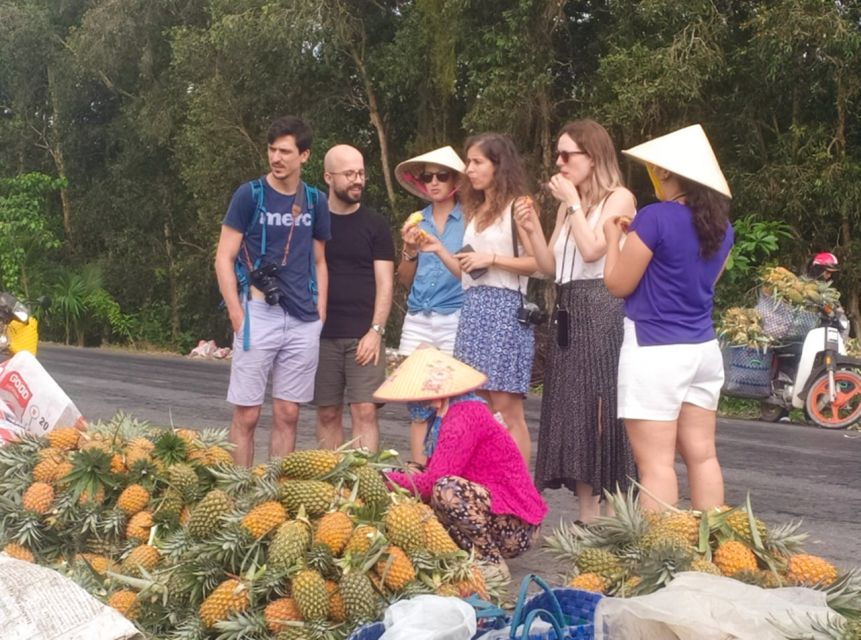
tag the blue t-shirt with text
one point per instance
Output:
(294, 276)
(673, 302)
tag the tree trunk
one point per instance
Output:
(56, 151)
(172, 282)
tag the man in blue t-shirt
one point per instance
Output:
(276, 228)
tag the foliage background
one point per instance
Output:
(125, 125)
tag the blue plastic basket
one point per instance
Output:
(574, 609)
(368, 632)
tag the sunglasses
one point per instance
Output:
(428, 176)
(566, 155)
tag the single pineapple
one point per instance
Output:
(141, 444)
(126, 602)
(289, 544)
(38, 497)
(139, 526)
(589, 582)
(437, 538)
(207, 514)
(360, 598)
(46, 470)
(361, 539)
(309, 591)
(133, 499)
(96, 498)
(404, 526)
(308, 465)
(372, 488)
(739, 522)
(216, 455)
(705, 566)
(337, 608)
(598, 561)
(733, 556)
(474, 583)
(99, 563)
(809, 570)
(231, 596)
(118, 464)
(280, 611)
(683, 525)
(169, 506)
(316, 496)
(65, 438)
(333, 530)
(144, 557)
(263, 518)
(189, 435)
(395, 568)
(183, 478)
(19, 552)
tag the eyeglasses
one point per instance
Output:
(350, 174)
(428, 176)
(566, 155)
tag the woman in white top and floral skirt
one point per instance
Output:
(494, 274)
(581, 443)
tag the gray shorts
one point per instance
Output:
(281, 345)
(340, 379)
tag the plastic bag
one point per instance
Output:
(429, 617)
(699, 606)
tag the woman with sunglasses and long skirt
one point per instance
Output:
(581, 443)
(494, 265)
(435, 294)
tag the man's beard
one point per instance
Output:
(344, 195)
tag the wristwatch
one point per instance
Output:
(573, 208)
(379, 329)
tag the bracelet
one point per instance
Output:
(410, 258)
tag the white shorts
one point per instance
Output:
(655, 381)
(435, 329)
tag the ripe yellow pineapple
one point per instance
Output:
(361, 538)
(437, 539)
(683, 525)
(264, 518)
(216, 455)
(118, 464)
(280, 611)
(135, 454)
(474, 583)
(19, 552)
(447, 590)
(141, 444)
(309, 592)
(705, 566)
(46, 470)
(337, 608)
(96, 498)
(589, 582)
(404, 526)
(98, 563)
(139, 526)
(133, 499)
(810, 570)
(38, 497)
(189, 435)
(126, 602)
(739, 522)
(733, 556)
(333, 530)
(231, 596)
(395, 568)
(65, 438)
(144, 556)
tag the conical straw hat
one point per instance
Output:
(686, 153)
(429, 374)
(444, 157)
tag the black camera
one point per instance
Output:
(530, 313)
(266, 279)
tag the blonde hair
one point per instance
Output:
(605, 175)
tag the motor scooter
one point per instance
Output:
(816, 375)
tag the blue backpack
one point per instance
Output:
(306, 200)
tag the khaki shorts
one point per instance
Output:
(340, 379)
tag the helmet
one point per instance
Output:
(827, 260)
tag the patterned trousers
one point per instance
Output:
(463, 508)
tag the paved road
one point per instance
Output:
(792, 471)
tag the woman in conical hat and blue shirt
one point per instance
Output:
(476, 479)
(435, 294)
(670, 366)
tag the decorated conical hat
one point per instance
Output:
(444, 157)
(686, 153)
(428, 374)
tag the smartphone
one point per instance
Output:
(475, 273)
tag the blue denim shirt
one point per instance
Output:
(434, 288)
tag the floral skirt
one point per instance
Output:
(463, 507)
(490, 339)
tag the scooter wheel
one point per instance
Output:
(846, 408)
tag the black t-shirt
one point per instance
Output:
(358, 239)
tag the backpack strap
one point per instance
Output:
(311, 195)
(243, 274)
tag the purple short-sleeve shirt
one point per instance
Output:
(673, 302)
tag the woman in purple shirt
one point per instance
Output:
(670, 366)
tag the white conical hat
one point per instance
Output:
(444, 157)
(686, 153)
(427, 374)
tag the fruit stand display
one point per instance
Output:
(789, 304)
(162, 526)
(636, 552)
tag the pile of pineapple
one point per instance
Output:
(635, 552)
(162, 526)
(742, 327)
(800, 292)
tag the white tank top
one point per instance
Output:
(569, 261)
(497, 239)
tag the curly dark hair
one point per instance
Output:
(711, 214)
(509, 180)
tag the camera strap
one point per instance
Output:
(514, 246)
(566, 227)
